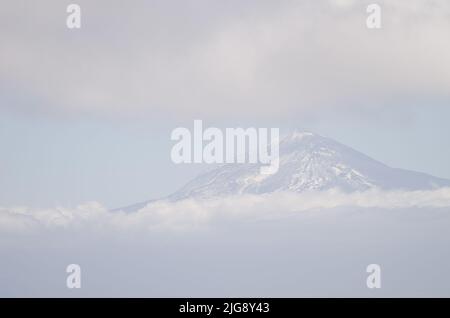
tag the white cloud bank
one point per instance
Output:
(277, 245)
(194, 214)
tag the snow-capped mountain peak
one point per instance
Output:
(307, 162)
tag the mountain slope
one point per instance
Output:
(307, 162)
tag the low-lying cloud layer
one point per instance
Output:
(193, 214)
(282, 245)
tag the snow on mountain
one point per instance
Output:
(307, 162)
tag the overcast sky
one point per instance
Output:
(86, 114)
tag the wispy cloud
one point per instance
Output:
(171, 57)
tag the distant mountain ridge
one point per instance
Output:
(308, 162)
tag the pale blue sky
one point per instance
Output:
(48, 161)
